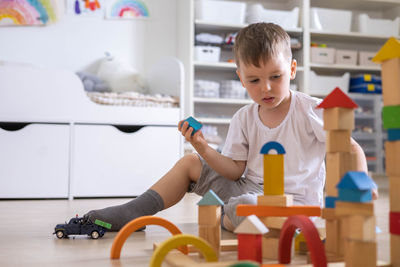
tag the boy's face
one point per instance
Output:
(268, 85)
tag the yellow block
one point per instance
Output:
(273, 174)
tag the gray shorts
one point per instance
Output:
(232, 193)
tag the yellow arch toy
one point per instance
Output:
(136, 224)
(179, 240)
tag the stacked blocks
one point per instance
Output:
(356, 212)
(209, 219)
(389, 57)
(338, 122)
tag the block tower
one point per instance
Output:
(209, 219)
(338, 124)
(273, 196)
(355, 209)
(389, 57)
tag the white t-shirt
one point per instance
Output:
(301, 134)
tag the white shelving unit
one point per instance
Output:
(219, 111)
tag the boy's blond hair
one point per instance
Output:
(258, 42)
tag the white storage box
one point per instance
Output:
(220, 11)
(232, 89)
(207, 53)
(347, 57)
(385, 27)
(323, 85)
(323, 55)
(366, 58)
(286, 19)
(327, 19)
(204, 88)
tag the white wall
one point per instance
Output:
(77, 43)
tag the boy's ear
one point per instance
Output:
(240, 78)
(293, 68)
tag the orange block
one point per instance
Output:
(260, 211)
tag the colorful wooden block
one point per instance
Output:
(337, 164)
(360, 253)
(391, 49)
(361, 227)
(273, 222)
(391, 82)
(329, 214)
(394, 250)
(273, 174)
(332, 236)
(391, 117)
(270, 247)
(392, 155)
(355, 196)
(330, 202)
(277, 200)
(338, 141)
(352, 208)
(337, 99)
(251, 225)
(393, 134)
(210, 199)
(394, 193)
(194, 124)
(212, 234)
(265, 211)
(250, 247)
(394, 223)
(209, 215)
(338, 119)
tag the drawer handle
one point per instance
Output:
(12, 126)
(128, 128)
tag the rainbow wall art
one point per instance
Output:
(126, 9)
(27, 12)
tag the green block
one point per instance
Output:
(210, 199)
(103, 224)
(391, 117)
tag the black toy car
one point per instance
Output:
(77, 226)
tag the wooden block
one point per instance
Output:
(332, 236)
(351, 208)
(279, 201)
(273, 174)
(394, 223)
(361, 228)
(270, 247)
(360, 253)
(273, 233)
(392, 154)
(266, 211)
(209, 215)
(343, 233)
(329, 214)
(391, 82)
(273, 222)
(338, 119)
(337, 164)
(338, 141)
(394, 250)
(229, 245)
(391, 117)
(249, 247)
(394, 195)
(212, 234)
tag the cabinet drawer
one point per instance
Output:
(110, 162)
(34, 161)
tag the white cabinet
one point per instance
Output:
(111, 162)
(34, 160)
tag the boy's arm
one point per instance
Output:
(223, 165)
(361, 162)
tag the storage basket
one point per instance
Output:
(232, 89)
(207, 53)
(327, 19)
(385, 27)
(323, 85)
(220, 11)
(286, 19)
(322, 55)
(205, 88)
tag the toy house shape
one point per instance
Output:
(249, 235)
(209, 210)
(273, 168)
(356, 187)
(338, 111)
(389, 57)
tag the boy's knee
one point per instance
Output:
(192, 165)
(230, 207)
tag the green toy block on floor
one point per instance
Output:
(103, 224)
(391, 117)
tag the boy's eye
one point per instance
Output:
(276, 76)
(254, 80)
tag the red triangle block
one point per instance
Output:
(337, 99)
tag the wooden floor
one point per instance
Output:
(26, 229)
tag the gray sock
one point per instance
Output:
(149, 203)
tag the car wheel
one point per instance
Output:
(60, 234)
(95, 235)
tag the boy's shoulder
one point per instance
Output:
(306, 100)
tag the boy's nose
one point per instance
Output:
(266, 87)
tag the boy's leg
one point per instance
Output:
(168, 191)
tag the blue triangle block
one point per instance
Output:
(210, 199)
(356, 181)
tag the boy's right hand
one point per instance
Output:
(197, 140)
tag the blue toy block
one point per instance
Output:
(330, 202)
(393, 134)
(194, 124)
(357, 181)
(350, 195)
(272, 145)
(210, 199)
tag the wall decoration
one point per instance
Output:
(126, 9)
(86, 7)
(27, 12)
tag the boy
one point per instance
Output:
(265, 67)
